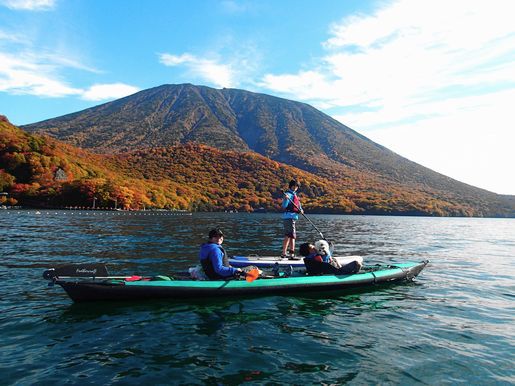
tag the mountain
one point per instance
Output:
(227, 119)
(40, 171)
(282, 130)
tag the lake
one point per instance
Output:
(454, 324)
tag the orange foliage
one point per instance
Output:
(192, 177)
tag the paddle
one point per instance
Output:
(252, 275)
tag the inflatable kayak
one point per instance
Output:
(100, 287)
(270, 261)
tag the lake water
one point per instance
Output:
(454, 324)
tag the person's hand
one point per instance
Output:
(239, 272)
(302, 211)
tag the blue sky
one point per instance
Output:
(432, 80)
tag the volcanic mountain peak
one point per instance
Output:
(286, 131)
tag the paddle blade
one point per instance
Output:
(252, 275)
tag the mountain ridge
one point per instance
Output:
(285, 131)
(44, 172)
(41, 171)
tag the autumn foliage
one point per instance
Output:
(40, 171)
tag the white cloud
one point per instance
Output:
(175, 60)
(21, 74)
(31, 74)
(414, 64)
(100, 92)
(9, 37)
(221, 75)
(472, 145)
(237, 7)
(29, 5)
(23, 71)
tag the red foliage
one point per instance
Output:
(193, 177)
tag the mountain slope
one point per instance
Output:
(227, 119)
(40, 171)
(283, 130)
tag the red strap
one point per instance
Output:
(133, 278)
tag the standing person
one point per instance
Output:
(292, 208)
(214, 260)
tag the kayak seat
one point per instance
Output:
(314, 267)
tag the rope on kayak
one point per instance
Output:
(405, 270)
(375, 277)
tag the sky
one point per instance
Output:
(432, 80)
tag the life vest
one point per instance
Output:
(209, 270)
(291, 207)
(315, 257)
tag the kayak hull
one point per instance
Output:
(271, 261)
(111, 290)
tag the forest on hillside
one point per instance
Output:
(39, 171)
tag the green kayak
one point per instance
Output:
(98, 286)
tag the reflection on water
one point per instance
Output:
(453, 324)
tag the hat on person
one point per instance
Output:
(215, 233)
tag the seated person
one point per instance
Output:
(214, 260)
(318, 261)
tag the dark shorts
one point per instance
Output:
(289, 228)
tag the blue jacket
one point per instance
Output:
(215, 254)
(287, 214)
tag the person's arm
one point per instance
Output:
(300, 207)
(217, 261)
(286, 201)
